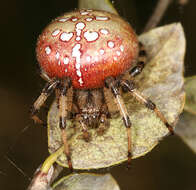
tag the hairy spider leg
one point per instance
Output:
(63, 114)
(46, 91)
(148, 103)
(141, 61)
(104, 124)
(86, 134)
(110, 83)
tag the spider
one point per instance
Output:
(88, 52)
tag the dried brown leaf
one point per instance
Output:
(87, 181)
(161, 81)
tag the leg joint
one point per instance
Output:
(129, 154)
(150, 105)
(127, 85)
(142, 53)
(115, 91)
(33, 111)
(68, 157)
(62, 122)
(135, 71)
(109, 82)
(127, 121)
(49, 87)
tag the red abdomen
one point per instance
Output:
(87, 46)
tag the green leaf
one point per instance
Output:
(161, 80)
(105, 5)
(190, 88)
(186, 129)
(86, 181)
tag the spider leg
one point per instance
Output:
(46, 91)
(148, 103)
(104, 124)
(110, 83)
(141, 61)
(103, 119)
(86, 135)
(63, 113)
(57, 94)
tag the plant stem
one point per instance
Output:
(158, 13)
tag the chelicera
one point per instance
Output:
(88, 53)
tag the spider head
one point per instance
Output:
(91, 117)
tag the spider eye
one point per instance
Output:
(85, 116)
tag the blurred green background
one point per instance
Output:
(171, 165)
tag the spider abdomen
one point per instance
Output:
(87, 46)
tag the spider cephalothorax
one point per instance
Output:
(88, 52)
(90, 103)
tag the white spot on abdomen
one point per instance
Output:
(96, 59)
(110, 44)
(118, 53)
(91, 36)
(47, 50)
(80, 81)
(66, 60)
(88, 58)
(56, 32)
(77, 66)
(77, 54)
(66, 36)
(84, 13)
(57, 55)
(89, 19)
(74, 19)
(78, 38)
(78, 72)
(101, 18)
(64, 19)
(101, 51)
(104, 31)
(122, 48)
(80, 25)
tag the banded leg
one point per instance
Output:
(63, 113)
(141, 62)
(86, 135)
(57, 94)
(110, 83)
(148, 103)
(104, 124)
(47, 90)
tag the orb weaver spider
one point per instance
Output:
(89, 52)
